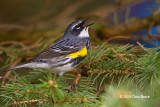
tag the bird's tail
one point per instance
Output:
(15, 67)
(30, 65)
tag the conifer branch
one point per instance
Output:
(30, 101)
(132, 26)
(37, 92)
(117, 72)
(105, 65)
(42, 100)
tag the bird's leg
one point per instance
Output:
(65, 83)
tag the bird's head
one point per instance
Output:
(78, 28)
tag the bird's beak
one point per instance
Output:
(90, 24)
(85, 20)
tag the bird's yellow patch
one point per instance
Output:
(80, 53)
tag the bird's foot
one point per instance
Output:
(72, 87)
(69, 90)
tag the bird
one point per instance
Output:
(66, 53)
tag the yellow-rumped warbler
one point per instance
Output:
(65, 54)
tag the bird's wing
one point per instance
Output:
(61, 49)
(56, 53)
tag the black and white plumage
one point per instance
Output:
(65, 54)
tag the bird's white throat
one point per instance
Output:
(84, 33)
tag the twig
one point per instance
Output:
(15, 92)
(23, 102)
(138, 50)
(9, 72)
(4, 50)
(91, 62)
(37, 92)
(10, 27)
(149, 32)
(12, 43)
(113, 71)
(156, 11)
(125, 59)
(149, 29)
(78, 76)
(123, 55)
(33, 101)
(119, 55)
(28, 91)
(116, 38)
(133, 25)
(1, 58)
(99, 91)
(75, 99)
(122, 72)
(141, 46)
(29, 47)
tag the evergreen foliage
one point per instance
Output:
(110, 72)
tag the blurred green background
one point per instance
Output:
(20, 20)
